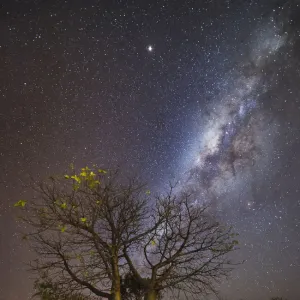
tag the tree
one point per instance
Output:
(185, 253)
(79, 222)
(94, 233)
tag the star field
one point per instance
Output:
(204, 92)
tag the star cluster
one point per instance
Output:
(204, 92)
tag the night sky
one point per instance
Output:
(205, 92)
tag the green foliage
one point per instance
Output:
(63, 205)
(62, 228)
(20, 203)
(86, 177)
(76, 178)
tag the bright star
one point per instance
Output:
(150, 48)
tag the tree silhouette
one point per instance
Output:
(185, 253)
(95, 233)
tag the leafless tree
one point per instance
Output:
(95, 235)
(78, 224)
(185, 254)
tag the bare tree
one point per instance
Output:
(78, 225)
(96, 236)
(186, 253)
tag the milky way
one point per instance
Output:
(236, 145)
(206, 92)
(236, 133)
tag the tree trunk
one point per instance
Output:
(116, 295)
(151, 295)
(116, 282)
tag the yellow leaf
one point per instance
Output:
(83, 174)
(76, 178)
(83, 219)
(67, 176)
(93, 183)
(20, 203)
(148, 192)
(62, 228)
(153, 243)
(64, 205)
(102, 171)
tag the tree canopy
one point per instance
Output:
(95, 233)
